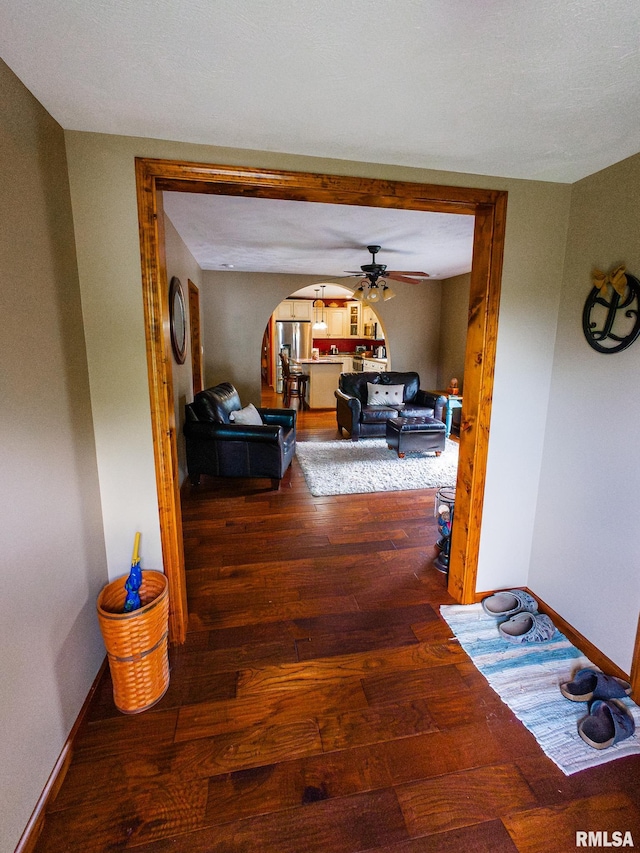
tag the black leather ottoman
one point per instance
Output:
(416, 435)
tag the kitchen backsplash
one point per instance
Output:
(346, 344)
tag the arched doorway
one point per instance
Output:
(337, 323)
(489, 209)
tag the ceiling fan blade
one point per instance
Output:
(408, 272)
(406, 278)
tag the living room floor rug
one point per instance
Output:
(527, 679)
(348, 467)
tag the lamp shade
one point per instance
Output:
(374, 294)
(359, 293)
(387, 293)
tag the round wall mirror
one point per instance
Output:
(177, 320)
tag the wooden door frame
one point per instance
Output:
(489, 209)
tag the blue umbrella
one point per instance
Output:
(132, 584)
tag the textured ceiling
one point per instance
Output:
(543, 90)
(304, 238)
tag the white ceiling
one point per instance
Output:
(539, 89)
(327, 240)
(544, 89)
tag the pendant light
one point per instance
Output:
(318, 306)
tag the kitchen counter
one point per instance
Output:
(324, 359)
(323, 379)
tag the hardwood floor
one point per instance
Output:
(320, 703)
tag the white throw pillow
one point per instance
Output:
(384, 395)
(249, 415)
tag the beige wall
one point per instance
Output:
(102, 182)
(587, 539)
(537, 221)
(108, 251)
(181, 263)
(52, 558)
(411, 323)
(454, 318)
(237, 306)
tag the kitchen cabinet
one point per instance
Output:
(336, 319)
(368, 315)
(368, 318)
(355, 326)
(294, 309)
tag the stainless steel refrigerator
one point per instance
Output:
(295, 338)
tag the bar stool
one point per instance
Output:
(294, 382)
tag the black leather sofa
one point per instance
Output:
(362, 420)
(220, 448)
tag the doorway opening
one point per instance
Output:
(328, 324)
(489, 209)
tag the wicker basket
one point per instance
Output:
(136, 642)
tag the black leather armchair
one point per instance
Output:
(218, 447)
(359, 419)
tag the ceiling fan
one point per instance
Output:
(372, 287)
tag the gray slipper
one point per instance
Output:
(509, 602)
(591, 684)
(608, 723)
(527, 628)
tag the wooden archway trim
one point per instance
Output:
(489, 209)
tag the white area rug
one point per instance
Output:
(352, 467)
(527, 678)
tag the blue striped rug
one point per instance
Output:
(526, 677)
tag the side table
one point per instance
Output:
(452, 403)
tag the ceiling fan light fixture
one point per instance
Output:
(374, 294)
(375, 272)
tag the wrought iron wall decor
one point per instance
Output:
(611, 315)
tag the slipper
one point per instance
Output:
(590, 684)
(509, 602)
(607, 723)
(527, 628)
